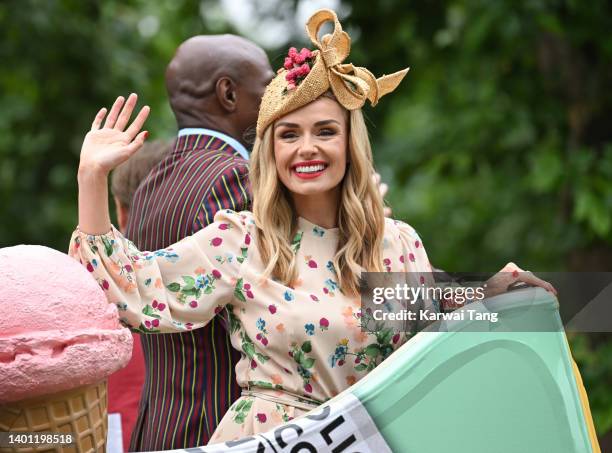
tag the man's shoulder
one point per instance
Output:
(198, 164)
(215, 160)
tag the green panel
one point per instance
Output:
(488, 391)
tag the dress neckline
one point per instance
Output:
(307, 226)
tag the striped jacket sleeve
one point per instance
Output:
(231, 190)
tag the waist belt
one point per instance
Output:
(282, 397)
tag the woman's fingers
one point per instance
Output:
(512, 274)
(376, 178)
(111, 119)
(138, 122)
(383, 189)
(136, 143)
(126, 112)
(529, 278)
(98, 119)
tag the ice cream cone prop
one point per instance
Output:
(78, 414)
(504, 386)
(59, 341)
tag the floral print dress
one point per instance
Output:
(300, 345)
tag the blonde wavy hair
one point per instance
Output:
(360, 213)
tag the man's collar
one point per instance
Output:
(220, 135)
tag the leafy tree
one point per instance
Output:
(62, 60)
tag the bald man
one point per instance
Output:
(215, 84)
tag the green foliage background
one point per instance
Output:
(497, 146)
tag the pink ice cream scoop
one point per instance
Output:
(57, 330)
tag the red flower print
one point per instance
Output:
(249, 294)
(272, 308)
(224, 226)
(128, 268)
(161, 307)
(417, 244)
(247, 286)
(411, 257)
(312, 264)
(324, 323)
(216, 274)
(253, 364)
(261, 417)
(155, 323)
(193, 303)
(401, 258)
(308, 388)
(247, 239)
(105, 284)
(189, 325)
(315, 298)
(154, 304)
(396, 338)
(216, 242)
(90, 268)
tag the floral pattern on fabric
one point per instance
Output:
(307, 342)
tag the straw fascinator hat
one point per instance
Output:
(306, 75)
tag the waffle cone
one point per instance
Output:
(81, 412)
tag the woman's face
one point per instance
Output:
(310, 147)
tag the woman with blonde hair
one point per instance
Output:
(288, 271)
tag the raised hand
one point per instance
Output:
(107, 146)
(103, 149)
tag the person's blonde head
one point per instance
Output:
(360, 216)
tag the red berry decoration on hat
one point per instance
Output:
(298, 66)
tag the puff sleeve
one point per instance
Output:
(178, 288)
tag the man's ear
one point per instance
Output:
(226, 93)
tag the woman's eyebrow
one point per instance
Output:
(324, 122)
(317, 124)
(284, 123)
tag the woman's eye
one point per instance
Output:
(327, 132)
(288, 135)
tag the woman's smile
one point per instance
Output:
(309, 169)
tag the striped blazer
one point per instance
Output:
(190, 377)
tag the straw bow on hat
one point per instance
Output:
(351, 85)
